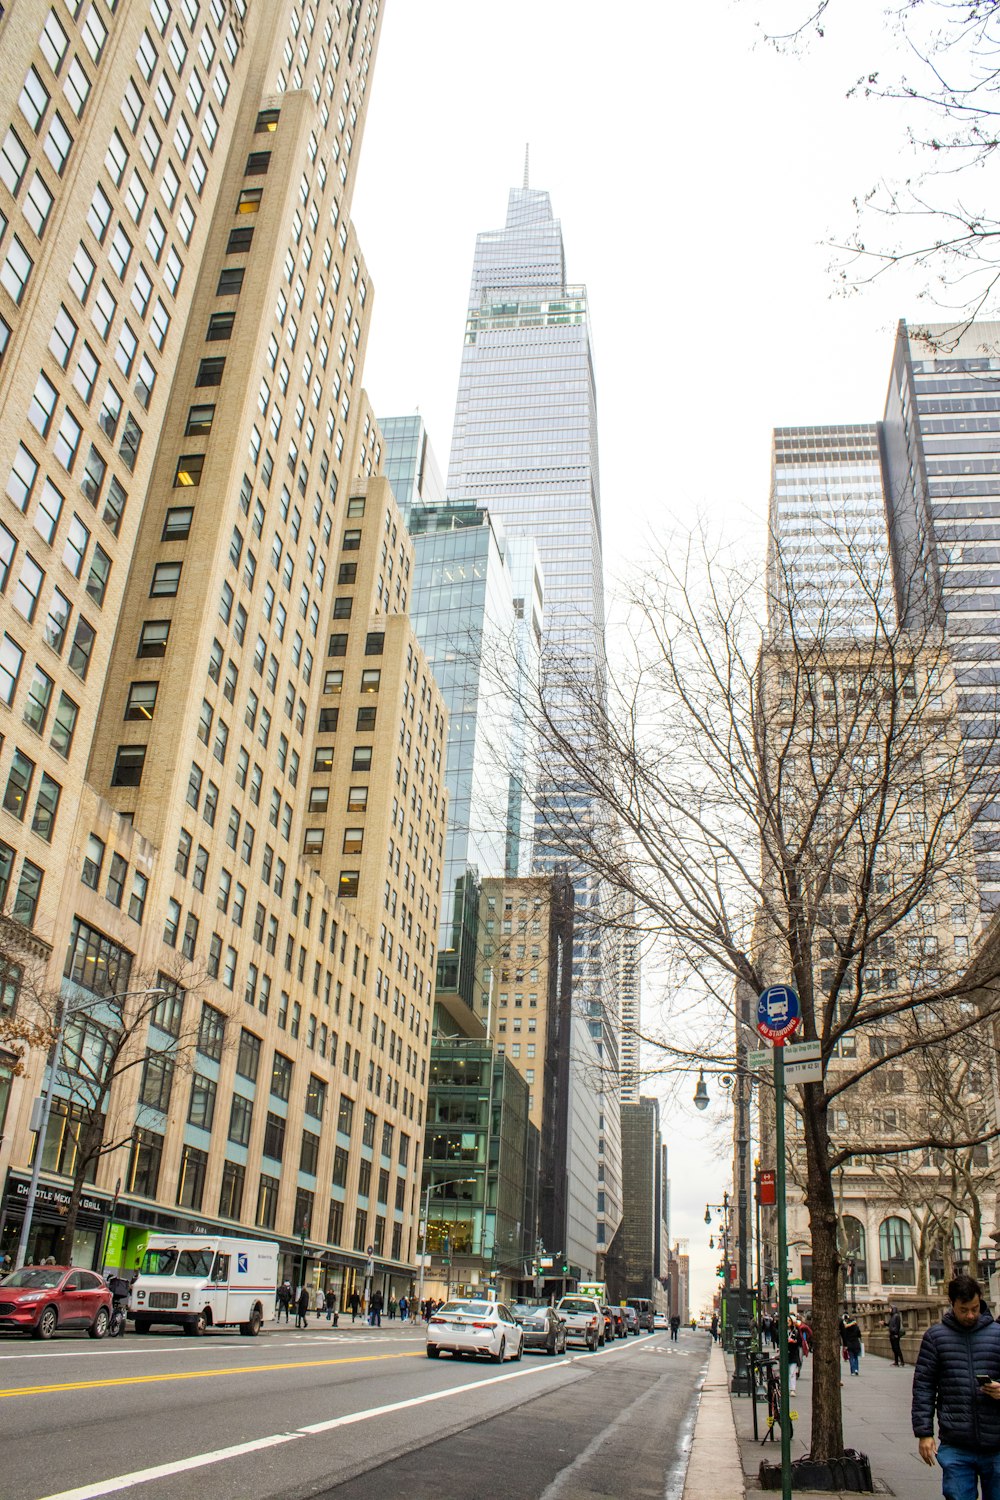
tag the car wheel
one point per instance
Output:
(46, 1325)
(142, 1325)
(520, 1350)
(594, 1343)
(250, 1329)
(196, 1326)
(433, 1353)
(551, 1348)
(501, 1353)
(99, 1327)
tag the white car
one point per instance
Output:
(660, 1320)
(475, 1327)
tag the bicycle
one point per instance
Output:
(772, 1390)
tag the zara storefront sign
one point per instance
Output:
(53, 1197)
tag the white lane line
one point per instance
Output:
(220, 1455)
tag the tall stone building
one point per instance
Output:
(222, 746)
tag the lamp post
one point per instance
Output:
(451, 1182)
(739, 1337)
(64, 1012)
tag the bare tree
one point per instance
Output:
(25, 1001)
(795, 803)
(939, 220)
(116, 1068)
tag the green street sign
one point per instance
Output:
(797, 1281)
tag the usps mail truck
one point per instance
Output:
(204, 1281)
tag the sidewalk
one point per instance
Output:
(714, 1468)
(876, 1407)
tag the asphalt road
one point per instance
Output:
(358, 1413)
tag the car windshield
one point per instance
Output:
(478, 1309)
(528, 1310)
(577, 1304)
(173, 1262)
(42, 1278)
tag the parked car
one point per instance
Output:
(632, 1321)
(584, 1319)
(40, 1299)
(661, 1321)
(542, 1327)
(618, 1319)
(475, 1327)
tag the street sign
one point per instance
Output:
(759, 1059)
(803, 1063)
(778, 1013)
(765, 1189)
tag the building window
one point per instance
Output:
(141, 701)
(267, 1201)
(166, 580)
(191, 1182)
(189, 470)
(153, 637)
(129, 761)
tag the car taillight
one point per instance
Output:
(592, 1323)
(437, 1320)
(482, 1325)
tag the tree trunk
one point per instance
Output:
(91, 1135)
(975, 1234)
(827, 1421)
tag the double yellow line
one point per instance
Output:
(299, 1364)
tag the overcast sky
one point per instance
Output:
(697, 174)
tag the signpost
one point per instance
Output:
(778, 1017)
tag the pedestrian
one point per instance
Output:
(675, 1323)
(331, 1306)
(404, 1309)
(354, 1303)
(794, 1339)
(765, 1330)
(393, 1305)
(957, 1375)
(284, 1301)
(302, 1307)
(806, 1335)
(895, 1327)
(715, 1328)
(850, 1340)
(320, 1304)
(375, 1305)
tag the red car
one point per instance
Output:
(40, 1299)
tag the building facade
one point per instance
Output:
(226, 743)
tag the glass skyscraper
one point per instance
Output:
(525, 445)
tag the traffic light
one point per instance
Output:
(564, 1267)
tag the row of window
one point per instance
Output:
(117, 878)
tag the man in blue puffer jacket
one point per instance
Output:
(958, 1374)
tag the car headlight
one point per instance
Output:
(29, 1298)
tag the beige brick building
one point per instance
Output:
(221, 745)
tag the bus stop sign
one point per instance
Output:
(778, 1013)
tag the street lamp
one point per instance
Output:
(65, 1012)
(451, 1182)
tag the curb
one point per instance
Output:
(715, 1467)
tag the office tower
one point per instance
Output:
(633, 1255)
(410, 465)
(942, 477)
(860, 713)
(828, 565)
(464, 614)
(524, 988)
(630, 1005)
(222, 743)
(524, 444)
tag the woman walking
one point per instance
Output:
(850, 1338)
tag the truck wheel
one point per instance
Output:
(195, 1327)
(142, 1325)
(251, 1329)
